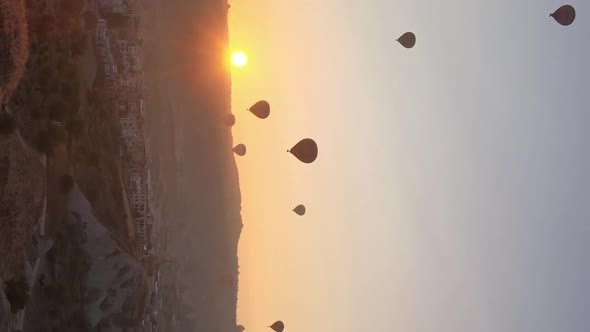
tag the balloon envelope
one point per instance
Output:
(240, 149)
(299, 209)
(564, 15)
(407, 40)
(306, 150)
(230, 120)
(278, 326)
(261, 109)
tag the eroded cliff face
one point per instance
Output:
(114, 288)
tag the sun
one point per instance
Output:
(239, 59)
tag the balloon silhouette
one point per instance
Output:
(261, 109)
(278, 326)
(407, 40)
(240, 149)
(299, 209)
(306, 150)
(564, 15)
(230, 120)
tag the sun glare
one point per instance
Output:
(239, 59)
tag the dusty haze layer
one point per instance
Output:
(193, 164)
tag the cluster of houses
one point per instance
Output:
(120, 60)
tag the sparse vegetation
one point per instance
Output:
(21, 196)
(7, 123)
(58, 293)
(47, 139)
(56, 116)
(46, 98)
(97, 159)
(90, 20)
(17, 293)
(77, 321)
(14, 45)
(116, 20)
(50, 86)
(79, 44)
(57, 110)
(52, 91)
(65, 292)
(43, 142)
(75, 127)
(67, 183)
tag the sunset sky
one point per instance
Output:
(451, 191)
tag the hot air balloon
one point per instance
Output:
(299, 209)
(306, 150)
(407, 40)
(261, 109)
(278, 326)
(564, 15)
(230, 120)
(240, 149)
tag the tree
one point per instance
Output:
(17, 293)
(53, 313)
(46, 83)
(90, 20)
(71, 72)
(78, 44)
(48, 138)
(66, 183)
(75, 127)
(14, 45)
(78, 321)
(43, 26)
(43, 142)
(116, 20)
(58, 293)
(72, 7)
(36, 113)
(70, 89)
(7, 123)
(57, 111)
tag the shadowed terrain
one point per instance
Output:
(194, 166)
(14, 45)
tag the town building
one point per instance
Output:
(121, 62)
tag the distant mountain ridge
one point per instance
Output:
(202, 202)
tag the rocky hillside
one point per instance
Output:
(14, 48)
(115, 286)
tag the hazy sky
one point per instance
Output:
(451, 192)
